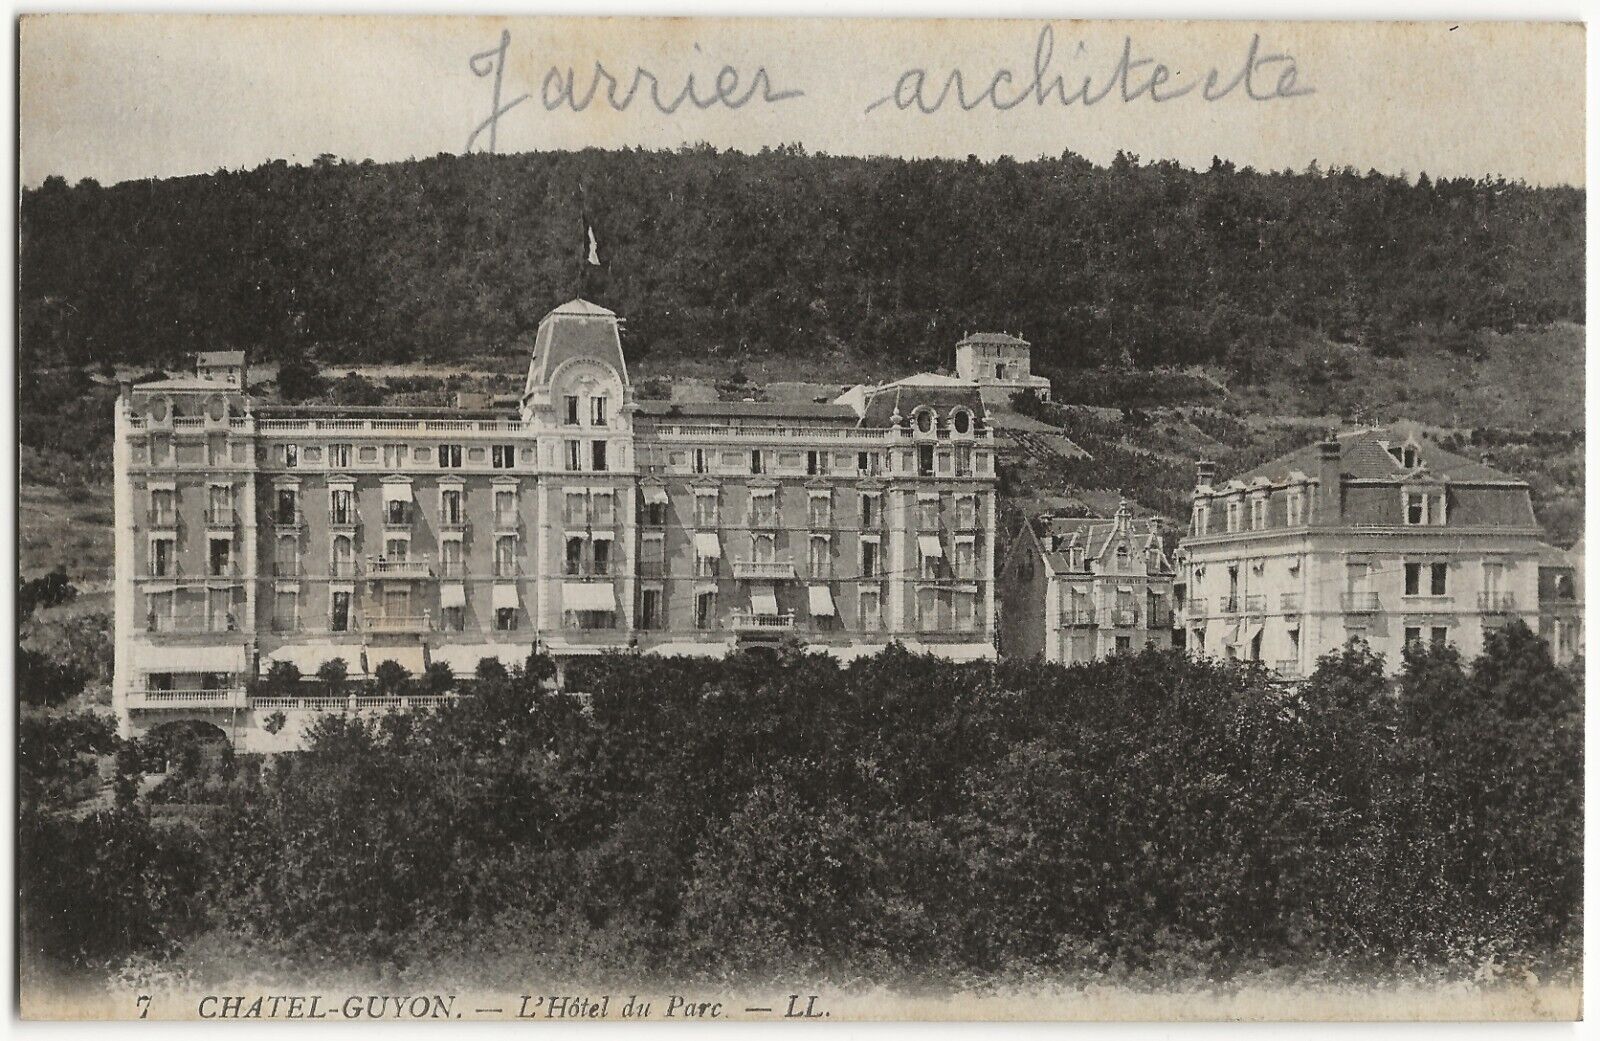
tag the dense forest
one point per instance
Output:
(1150, 819)
(785, 252)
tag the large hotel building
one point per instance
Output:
(582, 520)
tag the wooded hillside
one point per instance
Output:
(785, 252)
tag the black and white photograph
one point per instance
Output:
(798, 520)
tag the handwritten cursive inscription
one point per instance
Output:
(729, 88)
(1263, 76)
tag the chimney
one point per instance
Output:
(1205, 473)
(1329, 490)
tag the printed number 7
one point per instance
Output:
(143, 1001)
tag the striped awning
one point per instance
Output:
(763, 599)
(821, 598)
(706, 544)
(588, 596)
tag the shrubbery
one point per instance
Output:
(905, 818)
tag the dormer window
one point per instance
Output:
(1258, 513)
(1406, 455)
(1233, 514)
(924, 421)
(961, 421)
(1296, 506)
(1201, 519)
(1423, 506)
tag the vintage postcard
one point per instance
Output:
(660, 520)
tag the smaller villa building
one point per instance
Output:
(1000, 364)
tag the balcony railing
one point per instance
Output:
(1078, 616)
(161, 518)
(288, 518)
(506, 522)
(343, 569)
(347, 518)
(763, 569)
(222, 518)
(397, 623)
(396, 518)
(509, 569)
(1230, 604)
(1255, 604)
(230, 697)
(381, 568)
(456, 521)
(285, 569)
(452, 569)
(749, 621)
(1289, 603)
(222, 569)
(1194, 607)
(1358, 603)
(1497, 603)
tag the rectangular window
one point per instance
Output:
(397, 511)
(655, 513)
(397, 549)
(505, 619)
(1441, 635)
(869, 558)
(924, 460)
(163, 557)
(505, 508)
(967, 511)
(577, 509)
(598, 453)
(574, 456)
(821, 559)
(963, 460)
(574, 558)
(341, 506)
(868, 463)
(763, 548)
(705, 610)
(700, 464)
(570, 415)
(928, 515)
(221, 557)
(650, 609)
(505, 556)
(450, 506)
(339, 455)
(705, 511)
(1440, 579)
(597, 411)
(339, 613)
(1413, 635)
(1294, 507)
(1416, 508)
(453, 619)
(450, 456)
(758, 463)
(871, 610)
(288, 506)
(291, 455)
(821, 511)
(602, 557)
(966, 610)
(601, 506)
(966, 560)
(219, 619)
(871, 514)
(763, 509)
(813, 463)
(1413, 580)
(503, 457)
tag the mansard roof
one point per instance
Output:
(932, 390)
(994, 338)
(1364, 455)
(576, 329)
(747, 410)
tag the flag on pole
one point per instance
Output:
(594, 246)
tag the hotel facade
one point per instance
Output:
(1378, 535)
(582, 521)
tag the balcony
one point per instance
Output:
(380, 568)
(222, 518)
(286, 569)
(452, 520)
(452, 569)
(1358, 603)
(1080, 617)
(288, 519)
(222, 569)
(343, 569)
(750, 622)
(228, 697)
(1497, 603)
(1255, 605)
(1289, 603)
(397, 520)
(511, 569)
(1124, 617)
(764, 570)
(397, 623)
(346, 518)
(161, 518)
(1194, 607)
